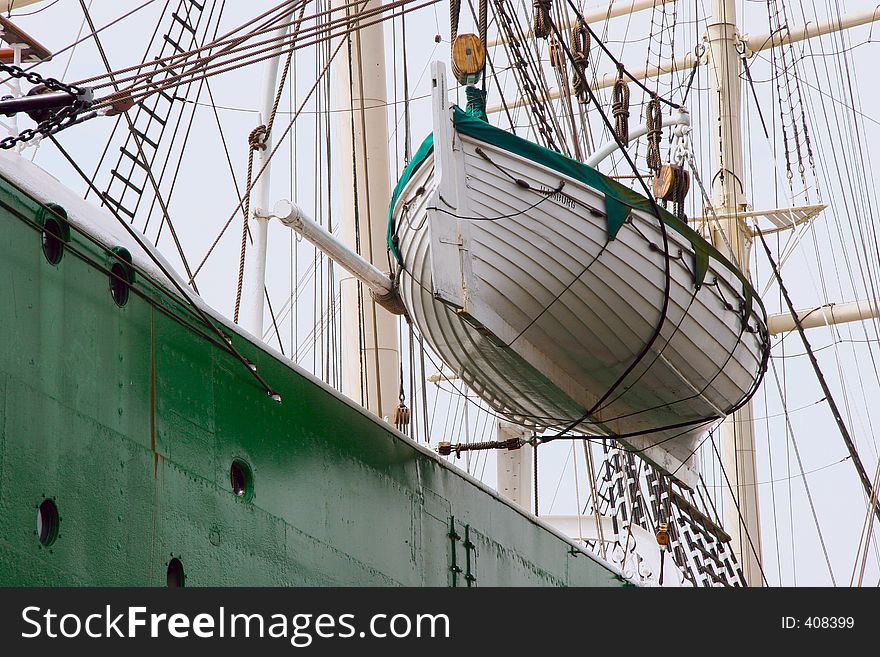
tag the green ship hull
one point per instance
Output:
(129, 419)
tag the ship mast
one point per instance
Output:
(733, 237)
(370, 363)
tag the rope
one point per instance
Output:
(484, 23)
(256, 142)
(201, 68)
(580, 48)
(620, 107)
(454, 14)
(654, 124)
(542, 10)
(832, 405)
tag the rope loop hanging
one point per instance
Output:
(580, 48)
(620, 106)
(654, 126)
(256, 142)
(542, 9)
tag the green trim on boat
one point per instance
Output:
(619, 199)
(417, 161)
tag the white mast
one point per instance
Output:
(728, 199)
(370, 358)
(253, 295)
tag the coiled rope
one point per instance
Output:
(580, 49)
(620, 106)
(542, 10)
(654, 125)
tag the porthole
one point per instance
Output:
(241, 477)
(175, 577)
(47, 522)
(121, 275)
(55, 232)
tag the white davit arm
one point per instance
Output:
(380, 284)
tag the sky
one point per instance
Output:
(825, 267)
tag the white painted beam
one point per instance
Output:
(753, 45)
(601, 13)
(828, 315)
(291, 215)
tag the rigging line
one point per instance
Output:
(173, 279)
(36, 11)
(365, 169)
(205, 66)
(185, 141)
(620, 65)
(844, 432)
(72, 52)
(742, 522)
(784, 479)
(248, 110)
(116, 123)
(865, 538)
(227, 39)
(869, 538)
(238, 207)
(139, 145)
(274, 322)
(789, 432)
(257, 140)
(88, 36)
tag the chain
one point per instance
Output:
(64, 118)
(61, 120)
(35, 78)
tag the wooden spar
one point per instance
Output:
(610, 10)
(753, 46)
(826, 315)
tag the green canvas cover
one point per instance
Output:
(619, 199)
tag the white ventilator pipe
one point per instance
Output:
(681, 118)
(370, 362)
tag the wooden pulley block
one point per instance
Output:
(672, 182)
(120, 102)
(554, 50)
(663, 534)
(468, 58)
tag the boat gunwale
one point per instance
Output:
(478, 129)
